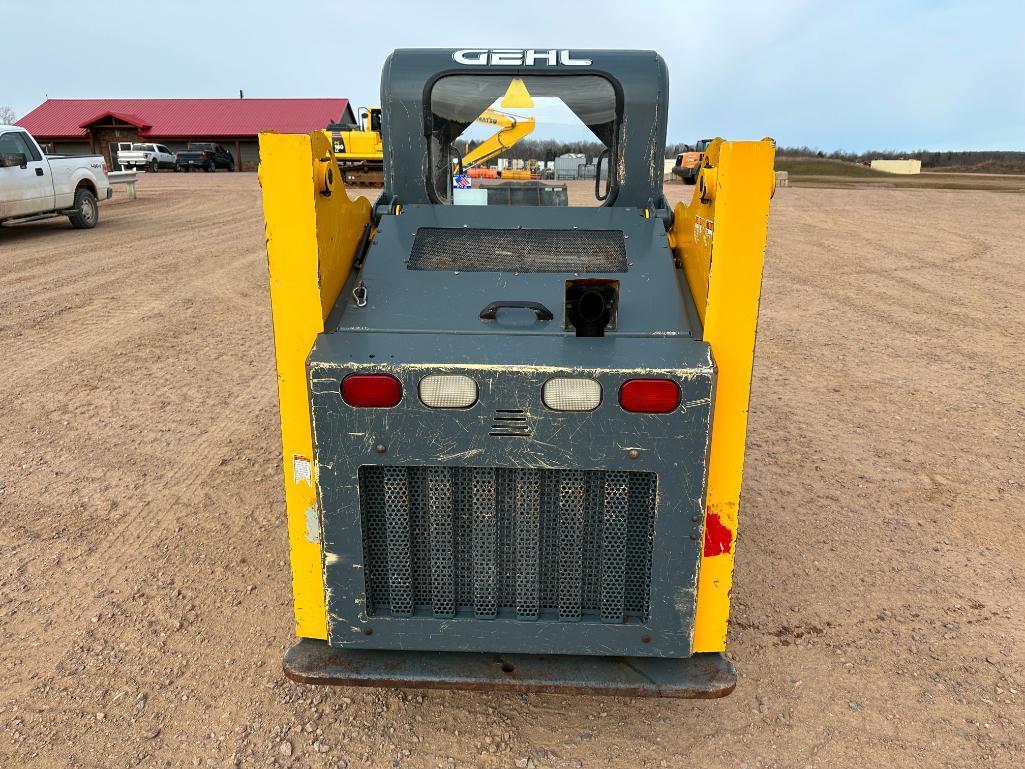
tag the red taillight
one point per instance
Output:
(380, 391)
(649, 396)
(204, 155)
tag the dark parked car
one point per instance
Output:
(205, 155)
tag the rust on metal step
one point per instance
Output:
(701, 676)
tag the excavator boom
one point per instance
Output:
(513, 129)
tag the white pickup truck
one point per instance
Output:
(37, 186)
(152, 157)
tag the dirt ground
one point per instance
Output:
(878, 608)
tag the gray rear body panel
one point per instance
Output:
(420, 321)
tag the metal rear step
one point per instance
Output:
(701, 676)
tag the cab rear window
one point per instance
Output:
(536, 140)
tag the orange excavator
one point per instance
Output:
(689, 163)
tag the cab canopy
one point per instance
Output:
(431, 96)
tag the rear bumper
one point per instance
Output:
(701, 676)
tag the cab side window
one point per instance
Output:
(13, 142)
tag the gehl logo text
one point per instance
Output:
(518, 57)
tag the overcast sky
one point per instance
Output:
(940, 74)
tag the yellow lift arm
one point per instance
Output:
(513, 129)
(719, 239)
(313, 230)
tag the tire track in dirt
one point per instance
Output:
(121, 265)
(879, 311)
(95, 331)
(130, 542)
(131, 539)
(906, 285)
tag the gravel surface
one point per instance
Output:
(144, 589)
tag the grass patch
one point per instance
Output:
(826, 172)
(797, 167)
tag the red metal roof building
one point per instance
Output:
(99, 125)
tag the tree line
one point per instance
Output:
(546, 149)
(985, 161)
(982, 161)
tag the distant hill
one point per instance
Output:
(831, 172)
(814, 166)
(950, 162)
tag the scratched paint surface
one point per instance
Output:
(310, 246)
(673, 446)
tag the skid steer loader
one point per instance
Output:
(514, 435)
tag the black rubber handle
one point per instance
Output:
(491, 311)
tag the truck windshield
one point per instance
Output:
(533, 140)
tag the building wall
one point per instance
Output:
(103, 137)
(250, 156)
(898, 166)
(72, 148)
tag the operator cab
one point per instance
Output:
(464, 246)
(370, 119)
(591, 123)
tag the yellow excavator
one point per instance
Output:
(513, 129)
(359, 149)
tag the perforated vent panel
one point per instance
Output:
(480, 250)
(482, 542)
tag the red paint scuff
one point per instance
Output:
(718, 539)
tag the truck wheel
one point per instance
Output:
(87, 212)
(154, 166)
(231, 166)
(210, 167)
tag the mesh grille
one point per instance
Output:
(482, 542)
(479, 250)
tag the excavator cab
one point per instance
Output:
(370, 119)
(502, 467)
(358, 150)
